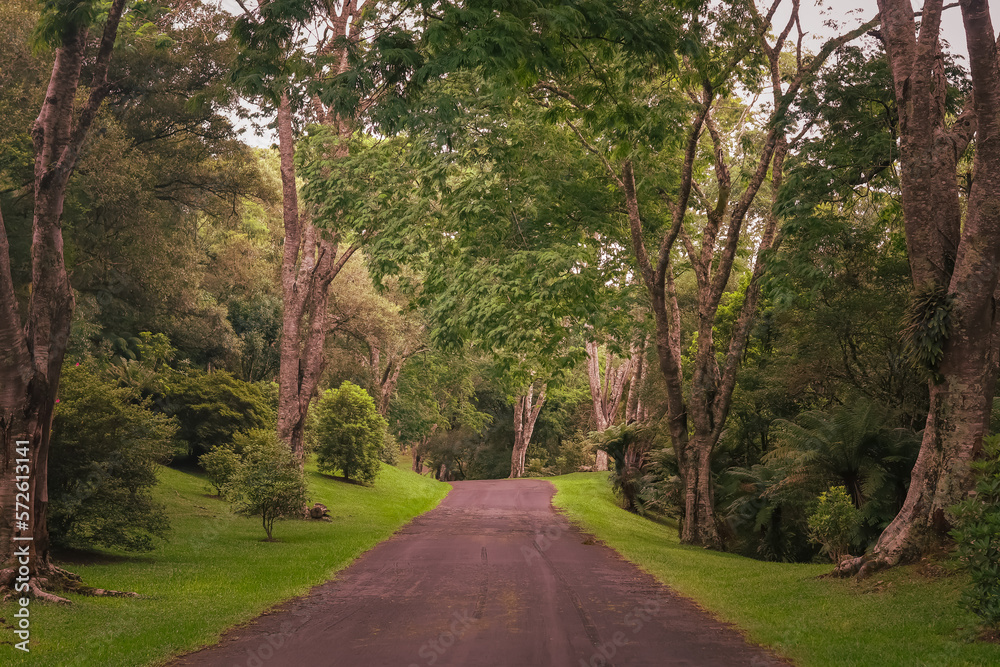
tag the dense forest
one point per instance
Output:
(751, 275)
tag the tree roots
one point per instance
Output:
(53, 578)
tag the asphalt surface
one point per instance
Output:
(491, 577)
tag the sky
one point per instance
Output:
(815, 15)
(851, 13)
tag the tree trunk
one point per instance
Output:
(525, 416)
(309, 265)
(310, 262)
(606, 393)
(389, 378)
(31, 357)
(634, 408)
(964, 259)
(696, 418)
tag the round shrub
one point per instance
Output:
(349, 433)
(834, 523)
(268, 481)
(220, 464)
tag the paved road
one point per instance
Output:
(492, 577)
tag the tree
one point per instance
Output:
(526, 408)
(627, 446)
(273, 67)
(700, 210)
(438, 394)
(374, 328)
(32, 355)
(106, 446)
(349, 433)
(606, 394)
(636, 409)
(954, 252)
(211, 408)
(220, 464)
(268, 482)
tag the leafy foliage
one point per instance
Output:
(220, 464)
(349, 433)
(767, 505)
(212, 408)
(437, 392)
(852, 446)
(106, 446)
(627, 445)
(766, 510)
(927, 327)
(834, 522)
(977, 532)
(268, 481)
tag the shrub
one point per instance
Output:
(627, 446)
(106, 444)
(349, 433)
(389, 453)
(220, 464)
(267, 482)
(767, 511)
(834, 522)
(212, 408)
(977, 531)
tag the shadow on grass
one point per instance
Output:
(344, 480)
(69, 556)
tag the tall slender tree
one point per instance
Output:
(607, 390)
(527, 405)
(32, 349)
(314, 251)
(706, 211)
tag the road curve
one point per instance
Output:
(491, 577)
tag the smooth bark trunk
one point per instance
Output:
(310, 262)
(635, 409)
(526, 409)
(606, 391)
(385, 380)
(31, 354)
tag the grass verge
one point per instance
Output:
(907, 616)
(215, 572)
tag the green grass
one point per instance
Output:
(899, 617)
(215, 572)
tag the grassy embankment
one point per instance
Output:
(214, 572)
(907, 616)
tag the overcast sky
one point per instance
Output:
(851, 13)
(816, 16)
